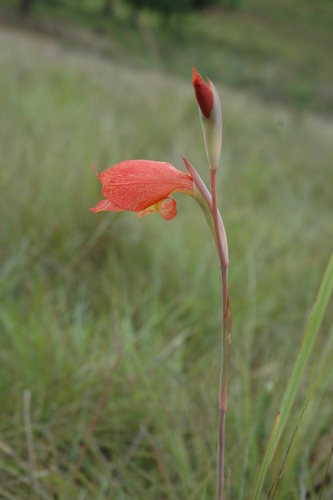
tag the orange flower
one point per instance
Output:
(203, 93)
(143, 187)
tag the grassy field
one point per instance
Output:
(280, 50)
(80, 290)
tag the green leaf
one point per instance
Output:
(303, 355)
(306, 347)
(266, 461)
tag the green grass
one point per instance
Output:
(279, 50)
(75, 285)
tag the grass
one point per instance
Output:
(75, 286)
(278, 50)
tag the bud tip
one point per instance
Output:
(203, 94)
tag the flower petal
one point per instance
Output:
(150, 210)
(168, 209)
(107, 206)
(136, 185)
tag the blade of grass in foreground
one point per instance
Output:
(303, 355)
(277, 480)
(306, 347)
(266, 461)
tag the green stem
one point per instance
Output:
(208, 204)
(204, 198)
(226, 341)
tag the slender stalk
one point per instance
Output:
(326, 474)
(226, 340)
(221, 245)
(220, 237)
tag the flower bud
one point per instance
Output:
(203, 94)
(211, 118)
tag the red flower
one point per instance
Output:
(141, 186)
(203, 94)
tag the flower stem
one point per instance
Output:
(215, 223)
(219, 237)
(226, 336)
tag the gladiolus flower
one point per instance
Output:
(143, 187)
(203, 93)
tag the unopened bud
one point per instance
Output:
(203, 94)
(211, 118)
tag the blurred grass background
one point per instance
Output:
(76, 286)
